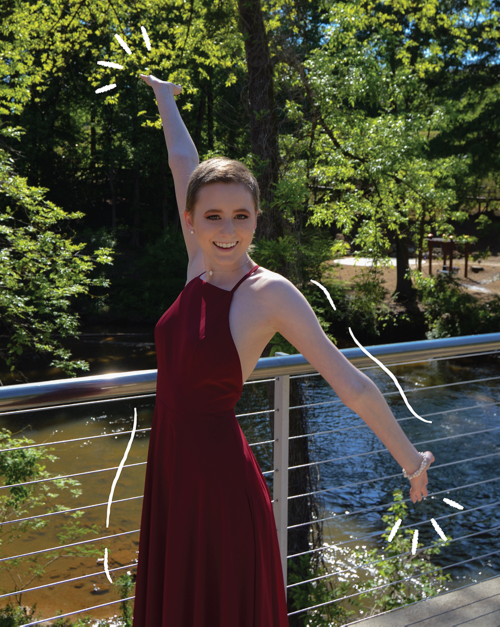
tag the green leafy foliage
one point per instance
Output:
(411, 577)
(19, 465)
(322, 591)
(41, 272)
(450, 311)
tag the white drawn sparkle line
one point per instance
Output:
(112, 64)
(117, 476)
(322, 287)
(374, 358)
(392, 377)
(438, 529)
(123, 44)
(117, 66)
(105, 88)
(415, 542)
(453, 503)
(394, 530)
(146, 38)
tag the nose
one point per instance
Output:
(227, 227)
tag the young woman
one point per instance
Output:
(208, 548)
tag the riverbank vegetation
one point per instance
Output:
(372, 121)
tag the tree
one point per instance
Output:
(263, 119)
(369, 114)
(41, 272)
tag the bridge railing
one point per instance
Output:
(39, 397)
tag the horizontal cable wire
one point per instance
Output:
(89, 437)
(392, 583)
(422, 389)
(85, 609)
(376, 534)
(99, 400)
(406, 363)
(93, 437)
(350, 485)
(385, 505)
(264, 442)
(385, 450)
(475, 583)
(388, 559)
(64, 546)
(364, 425)
(77, 474)
(56, 583)
(430, 359)
(255, 413)
(69, 511)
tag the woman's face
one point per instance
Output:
(224, 214)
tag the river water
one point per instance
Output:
(458, 409)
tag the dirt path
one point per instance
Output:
(483, 278)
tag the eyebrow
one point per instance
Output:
(234, 210)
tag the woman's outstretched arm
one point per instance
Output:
(294, 318)
(182, 153)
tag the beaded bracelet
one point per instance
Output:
(419, 471)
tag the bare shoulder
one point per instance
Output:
(289, 313)
(284, 305)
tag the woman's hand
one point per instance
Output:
(419, 484)
(154, 82)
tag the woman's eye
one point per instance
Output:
(239, 215)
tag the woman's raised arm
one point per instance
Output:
(182, 154)
(294, 318)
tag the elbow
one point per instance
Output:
(182, 162)
(353, 395)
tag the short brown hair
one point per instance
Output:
(220, 170)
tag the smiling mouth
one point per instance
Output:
(225, 247)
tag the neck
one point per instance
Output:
(223, 274)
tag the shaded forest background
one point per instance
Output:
(368, 124)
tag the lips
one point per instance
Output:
(225, 248)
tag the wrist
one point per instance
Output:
(420, 461)
(163, 89)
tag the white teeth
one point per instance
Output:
(225, 245)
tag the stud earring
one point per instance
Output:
(192, 231)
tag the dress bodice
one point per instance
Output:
(199, 367)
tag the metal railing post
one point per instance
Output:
(280, 482)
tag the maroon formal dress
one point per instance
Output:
(208, 547)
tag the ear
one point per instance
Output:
(188, 222)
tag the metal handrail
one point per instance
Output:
(143, 382)
(140, 385)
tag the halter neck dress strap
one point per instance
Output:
(246, 275)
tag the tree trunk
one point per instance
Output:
(404, 288)
(210, 111)
(113, 198)
(421, 236)
(199, 122)
(263, 119)
(136, 206)
(93, 142)
(164, 200)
